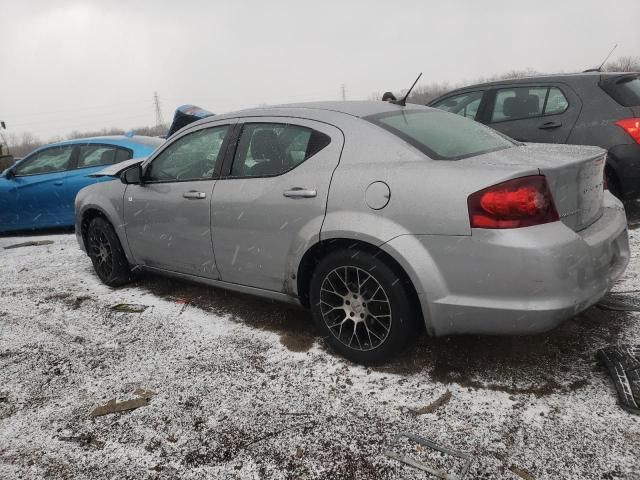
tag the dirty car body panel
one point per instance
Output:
(369, 187)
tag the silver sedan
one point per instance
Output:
(380, 218)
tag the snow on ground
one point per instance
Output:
(244, 389)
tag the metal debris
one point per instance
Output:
(129, 307)
(114, 407)
(32, 243)
(623, 364)
(620, 303)
(422, 466)
(441, 401)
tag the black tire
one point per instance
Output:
(107, 256)
(361, 340)
(613, 183)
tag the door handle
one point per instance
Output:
(193, 195)
(58, 183)
(550, 125)
(299, 192)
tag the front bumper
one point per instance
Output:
(515, 281)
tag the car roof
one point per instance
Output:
(351, 108)
(554, 77)
(135, 142)
(115, 140)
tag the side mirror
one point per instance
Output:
(9, 174)
(132, 176)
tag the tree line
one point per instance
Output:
(21, 145)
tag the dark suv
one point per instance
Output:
(591, 108)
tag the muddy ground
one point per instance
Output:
(229, 386)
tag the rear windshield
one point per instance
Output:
(441, 135)
(624, 90)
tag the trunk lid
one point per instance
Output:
(574, 174)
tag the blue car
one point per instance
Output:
(39, 190)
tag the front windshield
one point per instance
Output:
(441, 135)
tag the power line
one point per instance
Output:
(78, 109)
(94, 115)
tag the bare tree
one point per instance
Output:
(623, 64)
(20, 146)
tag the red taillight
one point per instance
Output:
(631, 126)
(521, 202)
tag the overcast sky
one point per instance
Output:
(81, 65)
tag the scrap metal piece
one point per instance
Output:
(425, 468)
(129, 307)
(32, 243)
(114, 407)
(620, 303)
(623, 364)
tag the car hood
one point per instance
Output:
(118, 168)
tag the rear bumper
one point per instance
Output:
(626, 163)
(516, 281)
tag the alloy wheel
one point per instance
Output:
(355, 308)
(102, 252)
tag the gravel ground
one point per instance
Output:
(234, 387)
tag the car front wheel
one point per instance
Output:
(106, 253)
(361, 306)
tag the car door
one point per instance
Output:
(543, 113)
(272, 197)
(168, 216)
(89, 159)
(38, 183)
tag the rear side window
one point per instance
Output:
(465, 104)
(268, 149)
(441, 135)
(91, 155)
(527, 102)
(624, 90)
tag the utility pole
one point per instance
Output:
(156, 103)
(344, 92)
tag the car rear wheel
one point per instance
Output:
(613, 183)
(106, 253)
(361, 306)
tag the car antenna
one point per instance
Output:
(403, 101)
(599, 69)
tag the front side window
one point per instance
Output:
(465, 104)
(441, 135)
(191, 157)
(91, 155)
(51, 160)
(527, 102)
(268, 149)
